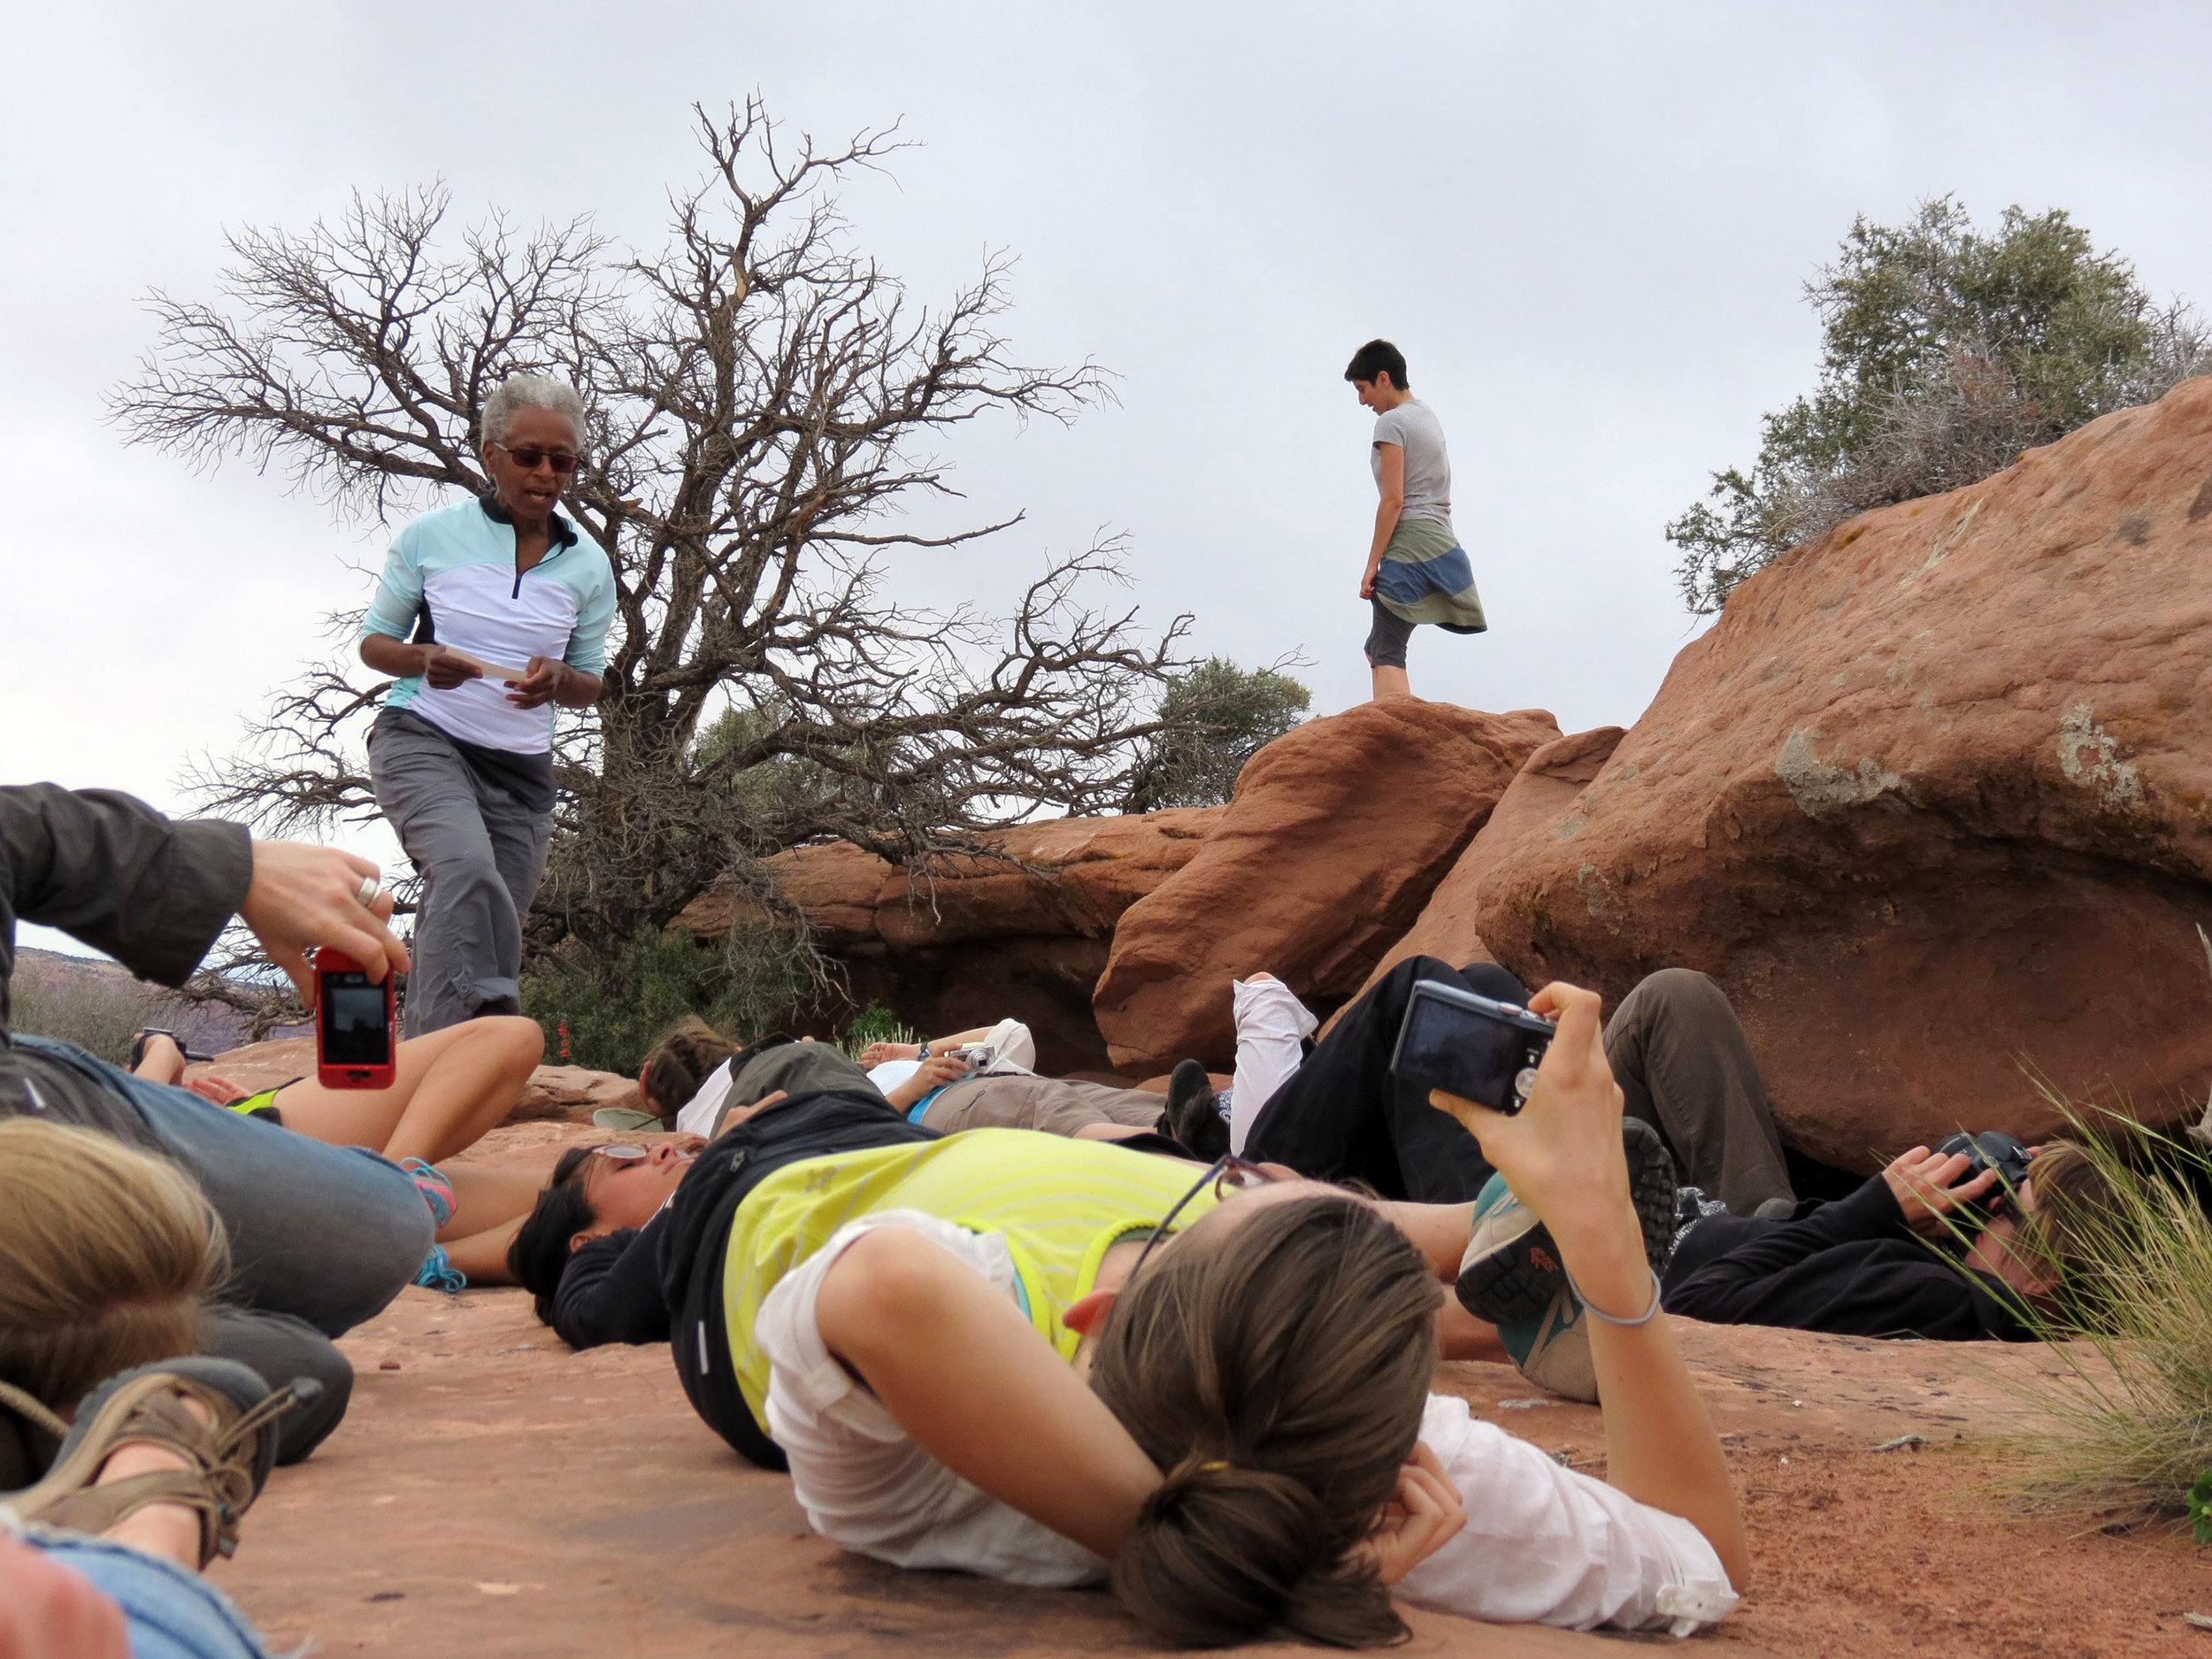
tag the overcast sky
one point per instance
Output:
(1588, 227)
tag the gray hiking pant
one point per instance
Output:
(480, 853)
(1684, 1064)
(1058, 1106)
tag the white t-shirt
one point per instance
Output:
(1542, 1544)
(1414, 427)
(697, 1117)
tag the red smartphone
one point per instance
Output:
(354, 1041)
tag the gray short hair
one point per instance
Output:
(528, 391)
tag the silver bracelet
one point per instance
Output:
(1596, 1312)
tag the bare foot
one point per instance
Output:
(160, 1062)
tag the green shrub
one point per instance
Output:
(874, 1023)
(100, 1012)
(609, 1021)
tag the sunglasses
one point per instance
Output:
(1229, 1172)
(530, 458)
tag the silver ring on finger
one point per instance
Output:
(367, 896)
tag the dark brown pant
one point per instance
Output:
(1683, 1063)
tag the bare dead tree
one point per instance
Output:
(760, 394)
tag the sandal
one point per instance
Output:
(138, 1047)
(229, 1457)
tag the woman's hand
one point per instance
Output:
(304, 896)
(1367, 580)
(1927, 1188)
(543, 679)
(1560, 1154)
(444, 670)
(877, 1054)
(936, 1073)
(1425, 1515)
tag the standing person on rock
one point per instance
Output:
(461, 760)
(1416, 572)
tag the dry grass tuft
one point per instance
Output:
(2125, 1426)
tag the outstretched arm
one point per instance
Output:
(1562, 1156)
(975, 1387)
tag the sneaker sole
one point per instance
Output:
(1518, 1279)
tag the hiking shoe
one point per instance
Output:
(437, 1273)
(1191, 1116)
(1511, 1271)
(437, 1192)
(1552, 1348)
(228, 1458)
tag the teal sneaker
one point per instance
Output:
(1552, 1348)
(438, 1273)
(1511, 1273)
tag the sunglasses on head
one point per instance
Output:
(1229, 1171)
(530, 458)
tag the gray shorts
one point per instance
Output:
(1387, 639)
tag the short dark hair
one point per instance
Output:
(540, 1254)
(1375, 357)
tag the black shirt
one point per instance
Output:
(1852, 1268)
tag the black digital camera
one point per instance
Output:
(1991, 1149)
(1471, 1046)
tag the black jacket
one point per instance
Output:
(1852, 1268)
(112, 872)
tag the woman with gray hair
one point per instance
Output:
(490, 612)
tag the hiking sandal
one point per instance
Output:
(229, 1457)
(138, 1047)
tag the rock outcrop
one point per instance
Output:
(1337, 834)
(1533, 804)
(1933, 800)
(986, 938)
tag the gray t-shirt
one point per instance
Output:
(1414, 428)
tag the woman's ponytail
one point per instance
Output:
(1279, 1374)
(1220, 1552)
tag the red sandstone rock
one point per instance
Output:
(983, 938)
(1541, 795)
(1932, 801)
(1337, 834)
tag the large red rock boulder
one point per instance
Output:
(1336, 835)
(1534, 804)
(1933, 800)
(986, 938)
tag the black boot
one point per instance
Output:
(1192, 1118)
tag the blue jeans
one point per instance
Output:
(321, 1237)
(173, 1614)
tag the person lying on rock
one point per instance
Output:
(1864, 1266)
(320, 1238)
(1341, 1114)
(1054, 1361)
(126, 1458)
(449, 1089)
(694, 1075)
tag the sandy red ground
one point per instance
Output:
(492, 1493)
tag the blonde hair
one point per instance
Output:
(106, 1257)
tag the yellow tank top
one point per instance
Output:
(1060, 1204)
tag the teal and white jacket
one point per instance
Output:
(450, 577)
